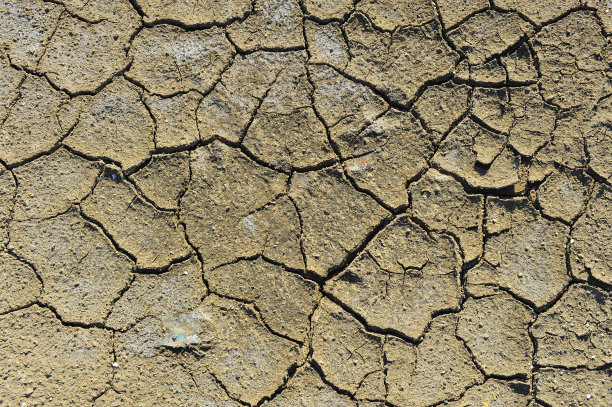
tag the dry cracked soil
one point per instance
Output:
(303, 203)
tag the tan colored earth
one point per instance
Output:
(304, 203)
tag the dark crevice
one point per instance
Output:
(29, 264)
(51, 308)
(460, 22)
(118, 297)
(163, 269)
(317, 368)
(259, 316)
(108, 236)
(222, 386)
(348, 259)
(368, 327)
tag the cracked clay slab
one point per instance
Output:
(235, 208)
(326, 197)
(52, 363)
(81, 271)
(151, 236)
(304, 203)
(526, 250)
(395, 285)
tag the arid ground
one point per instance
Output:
(283, 203)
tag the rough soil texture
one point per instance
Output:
(304, 203)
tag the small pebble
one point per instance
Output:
(589, 396)
(115, 364)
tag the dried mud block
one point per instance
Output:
(604, 12)
(526, 250)
(346, 106)
(175, 119)
(440, 368)
(494, 392)
(81, 57)
(328, 9)
(227, 111)
(415, 56)
(31, 126)
(571, 58)
(234, 208)
(114, 124)
(388, 14)
(479, 281)
(575, 332)
(285, 130)
(274, 24)
(440, 106)
(145, 374)
(285, 300)
(94, 11)
(566, 147)
(487, 74)
(591, 244)
(11, 82)
(168, 59)
(487, 147)
(179, 290)
(152, 237)
(343, 349)
(492, 107)
(326, 44)
(520, 112)
(533, 123)
(564, 194)
(599, 139)
(324, 198)
(579, 388)
(249, 361)
(440, 202)
(146, 339)
(306, 389)
(489, 33)
(280, 220)
(453, 12)
(27, 27)
(458, 155)
(19, 285)
(541, 11)
(495, 330)
(164, 179)
(52, 183)
(81, 271)
(47, 363)
(378, 167)
(520, 65)
(163, 380)
(198, 13)
(395, 285)
(8, 190)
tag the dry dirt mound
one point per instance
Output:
(345, 203)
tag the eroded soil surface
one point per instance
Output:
(352, 203)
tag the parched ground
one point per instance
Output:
(290, 203)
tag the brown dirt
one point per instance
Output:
(281, 203)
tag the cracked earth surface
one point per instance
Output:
(352, 203)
